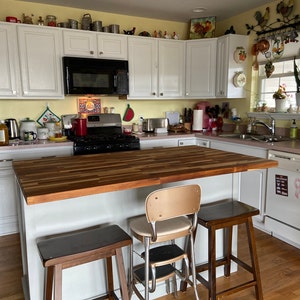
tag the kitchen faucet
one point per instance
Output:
(270, 127)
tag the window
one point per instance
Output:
(283, 75)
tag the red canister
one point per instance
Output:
(80, 127)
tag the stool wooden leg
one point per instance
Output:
(254, 259)
(58, 282)
(122, 274)
(49, 283)
(110, 279)
(212, 263)
(227, 249)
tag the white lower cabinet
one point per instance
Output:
(8, 186)
(158, 143)
(8, 205)
(194, 141)
(252, 183)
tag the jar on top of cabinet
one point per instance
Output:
(51, 21)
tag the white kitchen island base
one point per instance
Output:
(86, 281)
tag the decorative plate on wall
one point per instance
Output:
(240, 55)
(239, 79)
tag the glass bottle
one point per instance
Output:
(4, 139)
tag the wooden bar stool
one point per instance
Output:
(224, 215)
(75, 248)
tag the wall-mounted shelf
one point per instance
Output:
(276, 116)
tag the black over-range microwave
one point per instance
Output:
(95, 76)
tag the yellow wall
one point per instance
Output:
(20, 109)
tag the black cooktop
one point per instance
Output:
(92, 144)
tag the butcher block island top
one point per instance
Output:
(52, 179)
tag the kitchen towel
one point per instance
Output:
(197, 120)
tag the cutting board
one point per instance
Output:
(173, 117)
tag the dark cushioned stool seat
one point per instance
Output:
(75, 248)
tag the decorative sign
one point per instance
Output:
(281, 185)
(202, 28)
(47, 116)
(89, 105)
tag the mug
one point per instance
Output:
(42, 133)
(29, 136)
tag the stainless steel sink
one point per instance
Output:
(255, 137)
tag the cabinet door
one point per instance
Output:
(201, 68)
(8, 61)
(112, 46)
(228, 67)
(171, 68)
(252, 190)
(76, 43)
(142, 61)
(222, 63)
(8, 190)
(40, 61)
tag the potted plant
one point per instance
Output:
(280, 99)
(297, 79)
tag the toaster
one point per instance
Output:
(149, 125)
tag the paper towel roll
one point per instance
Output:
(198, 120)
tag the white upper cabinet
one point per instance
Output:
(201, 68)
(171, 62)
(40, 54)
(143, 67)
(9, 62)
(231, 72)
(156, 68)
(94, 44)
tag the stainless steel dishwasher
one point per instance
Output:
(283, 197)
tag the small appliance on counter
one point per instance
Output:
(149, 125)
(28, 126)
(13, 128)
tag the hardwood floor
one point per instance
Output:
(279, 266)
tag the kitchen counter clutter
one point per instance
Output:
(72, 192)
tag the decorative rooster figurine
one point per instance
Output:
(262, 20)
(130, 32)
(285, 9)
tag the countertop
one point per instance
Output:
(292, 146)
(52, 179)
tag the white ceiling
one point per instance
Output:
(173, 10)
